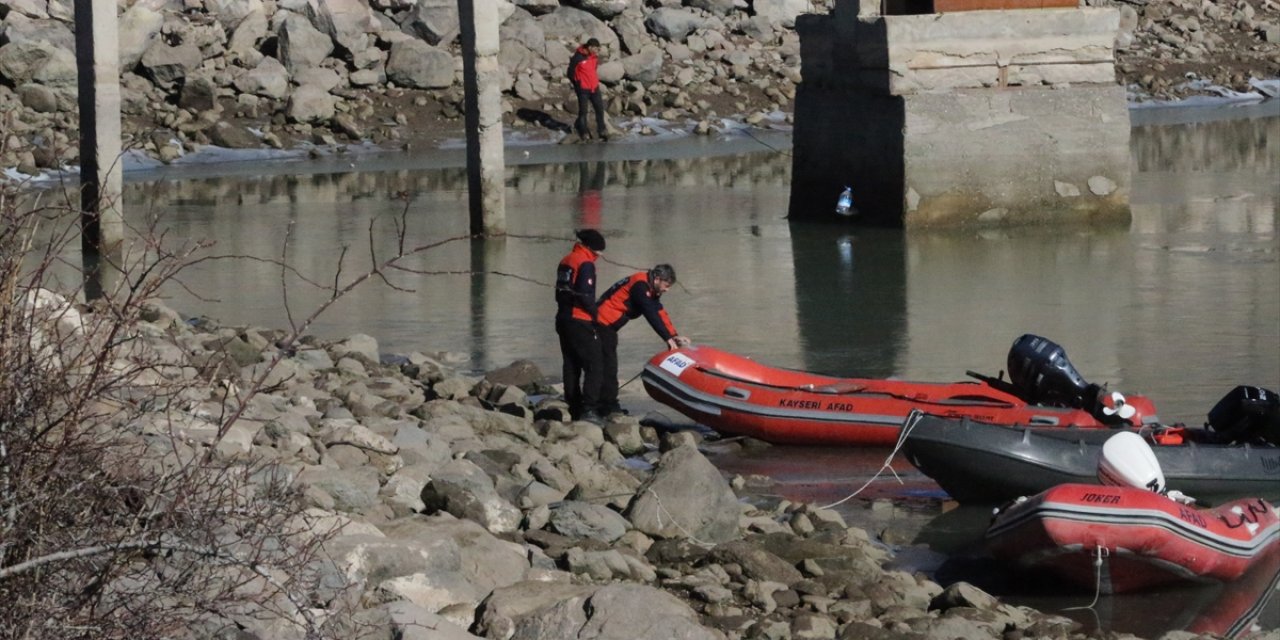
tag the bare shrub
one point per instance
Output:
(120, 515)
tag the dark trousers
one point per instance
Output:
(580, 349)
(609, 372)
(597, 103)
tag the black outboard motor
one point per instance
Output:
(1042, 374)
(1249, 415)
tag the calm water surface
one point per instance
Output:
(1181, 305)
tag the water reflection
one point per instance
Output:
(851, 298)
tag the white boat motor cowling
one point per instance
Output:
(1128, 461)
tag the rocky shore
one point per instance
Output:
(283, 74)
(455, 506)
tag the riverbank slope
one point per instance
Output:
(254, 74)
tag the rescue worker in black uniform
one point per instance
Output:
(631, 297)
(576, 326)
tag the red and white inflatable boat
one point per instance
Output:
(1119, 538)
(738, 396)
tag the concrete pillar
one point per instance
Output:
(98, 74)
(968, 118)
(483, 102)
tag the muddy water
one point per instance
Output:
(1182, 304)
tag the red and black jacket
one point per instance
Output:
(632, 297)
(576, 285)
(582, 70)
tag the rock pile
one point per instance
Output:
(466, 507)
(255, 73)
(1169, 50)
(279, 73)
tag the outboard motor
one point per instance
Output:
(1042, 374)
(1128, 461)
(1247, 415)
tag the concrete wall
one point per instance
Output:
(1029, 155)
(967, 118)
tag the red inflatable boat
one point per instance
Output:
(1119, 538)
(738, 396)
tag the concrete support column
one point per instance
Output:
(98, 75)
(480, 69)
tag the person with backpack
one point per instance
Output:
(586, 85)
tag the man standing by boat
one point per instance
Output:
(586, 86)
(631, 297)
(576, 325)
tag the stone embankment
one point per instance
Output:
(276, 74)
(465, 506)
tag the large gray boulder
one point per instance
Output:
(22, 29)
(139, 26)
(673, 24)
(408, 621)
(463, 489)
(644, 67)
(544, 610)
(374, 559)
(585, 520)
(23, 62)
(486, 561)
(603, 9)
(268, 79)
(36, 9)
(230, 13)
(576, 26)
(346, 22)
(434, 21)
(168, 66)
(311, 104)
(782, 12)
(246, 35)
(418, 65)
(534, 610)
(538, 7)
(639, 612)
(632, 32)
(757, 563)
(300, 44)
(523, 42)
(351, 489)
(718, 7)
(686, 498)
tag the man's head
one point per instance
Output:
(661, 277)
(591, 239)
(593, 45)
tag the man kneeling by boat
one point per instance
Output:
(632, 297)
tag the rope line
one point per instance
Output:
(1100, 552)
(663, 509)
(910, 423)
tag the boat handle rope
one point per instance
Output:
(1098, 554)
(910, 423)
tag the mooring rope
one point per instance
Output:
(910, 423)
(1100, 552)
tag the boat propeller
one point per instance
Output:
(1114, 404)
